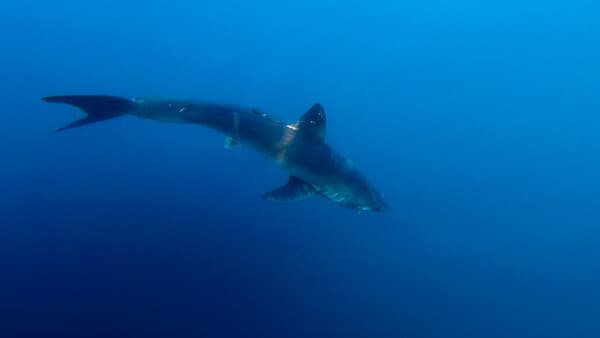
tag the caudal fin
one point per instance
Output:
(97, 107)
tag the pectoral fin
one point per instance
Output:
(294, 190)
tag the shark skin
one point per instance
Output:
(315, 168)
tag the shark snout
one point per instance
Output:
(378, 203)
(382, 209)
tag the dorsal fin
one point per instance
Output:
(314, 122)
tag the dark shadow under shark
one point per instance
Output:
(314, 167)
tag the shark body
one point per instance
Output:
(315, 168)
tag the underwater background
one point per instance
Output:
(478, 121)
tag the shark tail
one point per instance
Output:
(96, 107)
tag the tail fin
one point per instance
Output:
(97, 107)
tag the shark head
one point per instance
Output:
(357, 193)
(374, 202)
(316, 168)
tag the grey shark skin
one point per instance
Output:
(314, 167)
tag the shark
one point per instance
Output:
(314, 167)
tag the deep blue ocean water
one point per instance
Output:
(478, 120)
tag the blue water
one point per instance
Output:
(478, 121)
